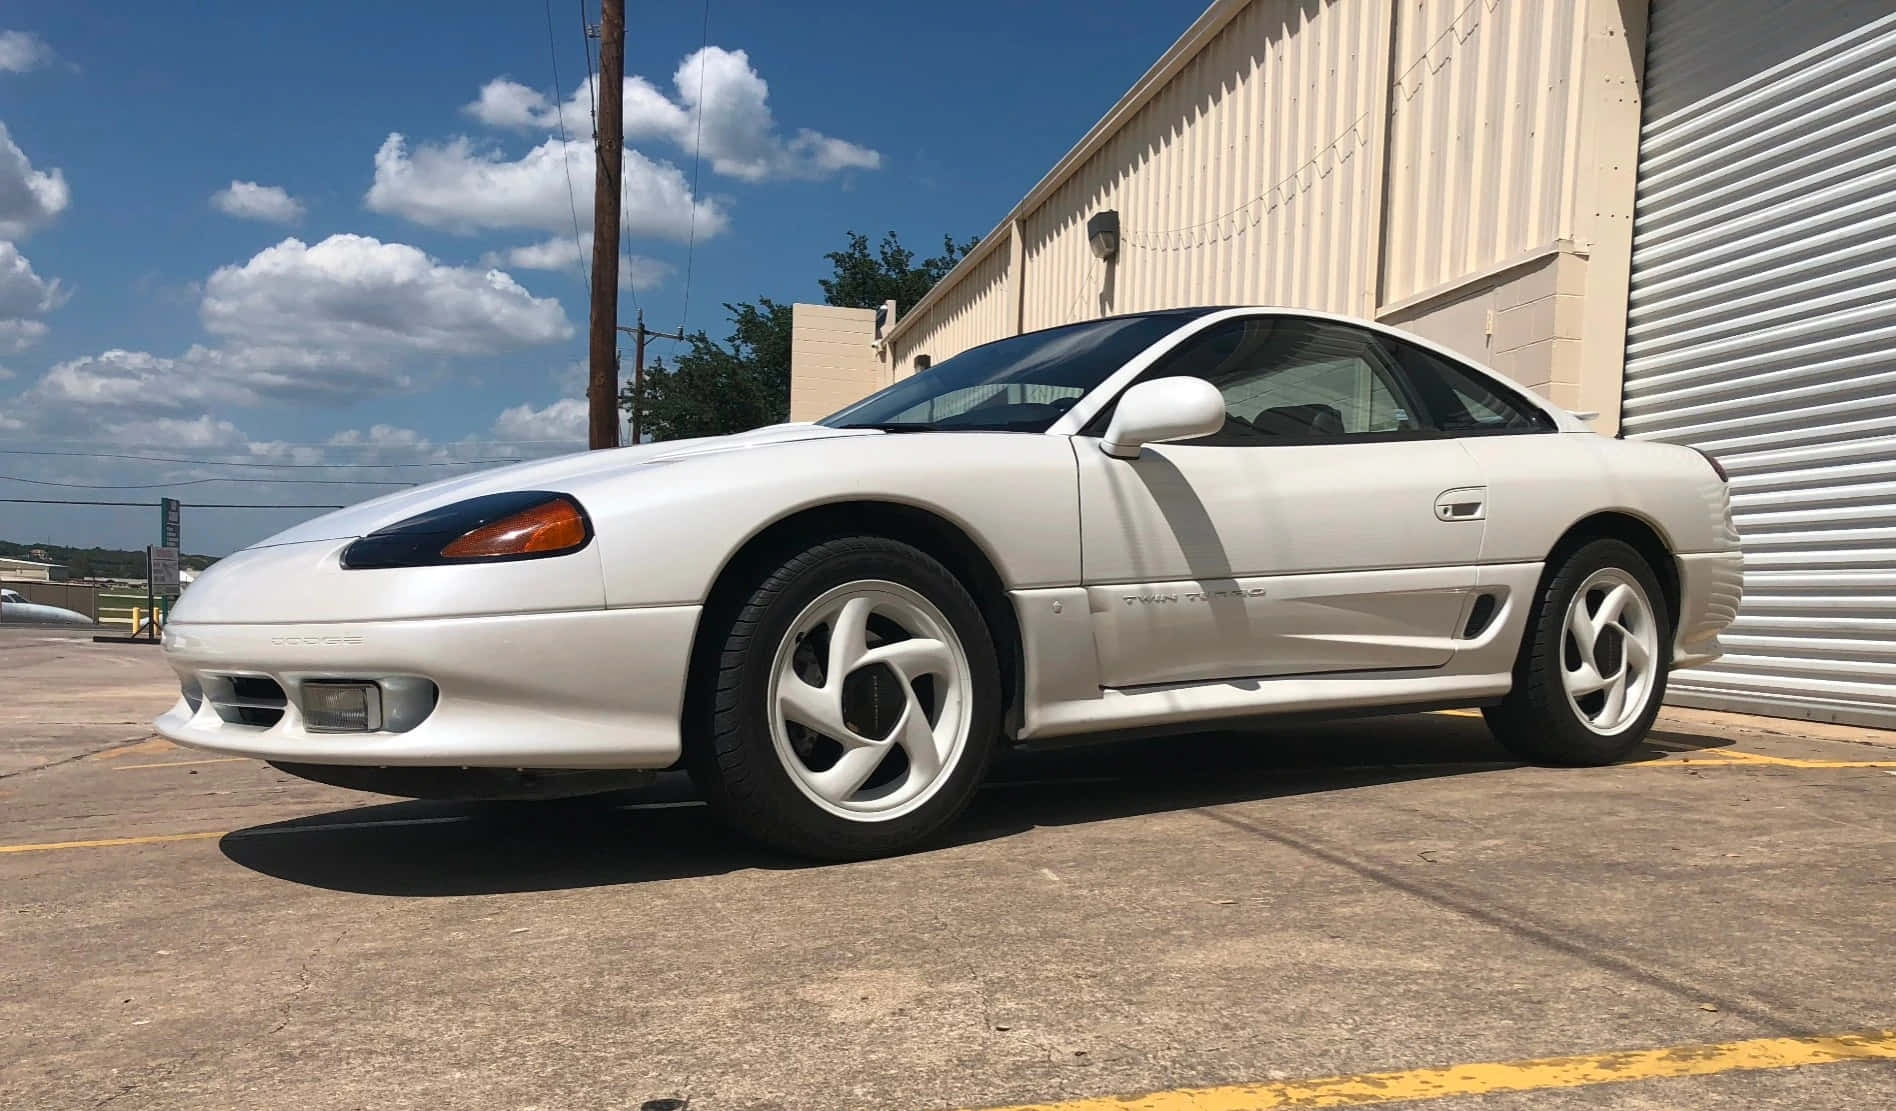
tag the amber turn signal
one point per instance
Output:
(550, 527)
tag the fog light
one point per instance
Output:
(330, 707)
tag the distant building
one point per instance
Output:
(27, 570)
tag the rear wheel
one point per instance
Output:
(857, 701)
(1592, 670)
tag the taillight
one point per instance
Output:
(1717, 467)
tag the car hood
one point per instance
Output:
(556, 474)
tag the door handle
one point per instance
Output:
(1470, 503)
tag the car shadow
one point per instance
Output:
(661, 832)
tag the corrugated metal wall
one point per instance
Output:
(1256, 172)
(1762, 327)
(1484, 113)
(975, 310)
(1243, 180)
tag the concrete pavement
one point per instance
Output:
(183, 931)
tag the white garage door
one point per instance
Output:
(1762, 328)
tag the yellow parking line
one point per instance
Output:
(149, 747)
(112, 842)
(184, 763)
(1736, 757)
(1535, 1074)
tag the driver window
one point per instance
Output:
(1294, 381)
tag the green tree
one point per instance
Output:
(864, 281)
(712, 389)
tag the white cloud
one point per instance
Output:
(23, 52)
(562, 253)
(335, 322)
(246, 200)
(381, 435)
(25, 297)
(29, 198)
(459, 188)
(5, 374)
(563, 420)
(357, 294)
(740, 135)
(133, 381)
(720, 87)
(198, 433)
(570, 378)
(648, 113)
(505, 102)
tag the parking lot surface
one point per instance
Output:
(1354, 913)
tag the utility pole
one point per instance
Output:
(602, 388)
(640, 334)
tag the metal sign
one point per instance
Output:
(169, 535)
(162, 567)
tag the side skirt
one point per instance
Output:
(1245, 723)
(1194, 706)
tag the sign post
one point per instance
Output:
(161, 581)
(170, 527)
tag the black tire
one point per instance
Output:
(1536, 721)
(729, 748)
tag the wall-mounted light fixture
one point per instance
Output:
(1102, 233)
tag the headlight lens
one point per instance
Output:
(527, 524)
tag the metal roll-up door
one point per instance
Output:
(1762, 328)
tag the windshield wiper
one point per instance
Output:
(897, 426)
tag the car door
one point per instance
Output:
(1534, 475)
(1326, 528)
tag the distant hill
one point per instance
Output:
(96, 563)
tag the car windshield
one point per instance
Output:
(1020, 384)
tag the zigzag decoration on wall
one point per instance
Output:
(1251, 213)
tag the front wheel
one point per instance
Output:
(857, 701)
(1592, 669)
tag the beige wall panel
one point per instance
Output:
(1243, 180)
(1482, 137)
(832, 359)
(1522, 320)
(977, 309)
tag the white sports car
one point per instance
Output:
(1139, 523)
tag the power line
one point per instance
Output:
(154, 505)
(592, 96)
(270, 466)
(697, 150)
(204, 482)
(559, 113)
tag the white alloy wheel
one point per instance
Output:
(870, 696)
(1609, 652)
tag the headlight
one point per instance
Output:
(528, 524)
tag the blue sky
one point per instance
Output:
(342, 232)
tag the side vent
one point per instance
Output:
(252, 700)
(1479, 616)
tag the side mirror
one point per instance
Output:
(1161, 410)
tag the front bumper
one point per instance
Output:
(1711, 585)
(576, 689)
